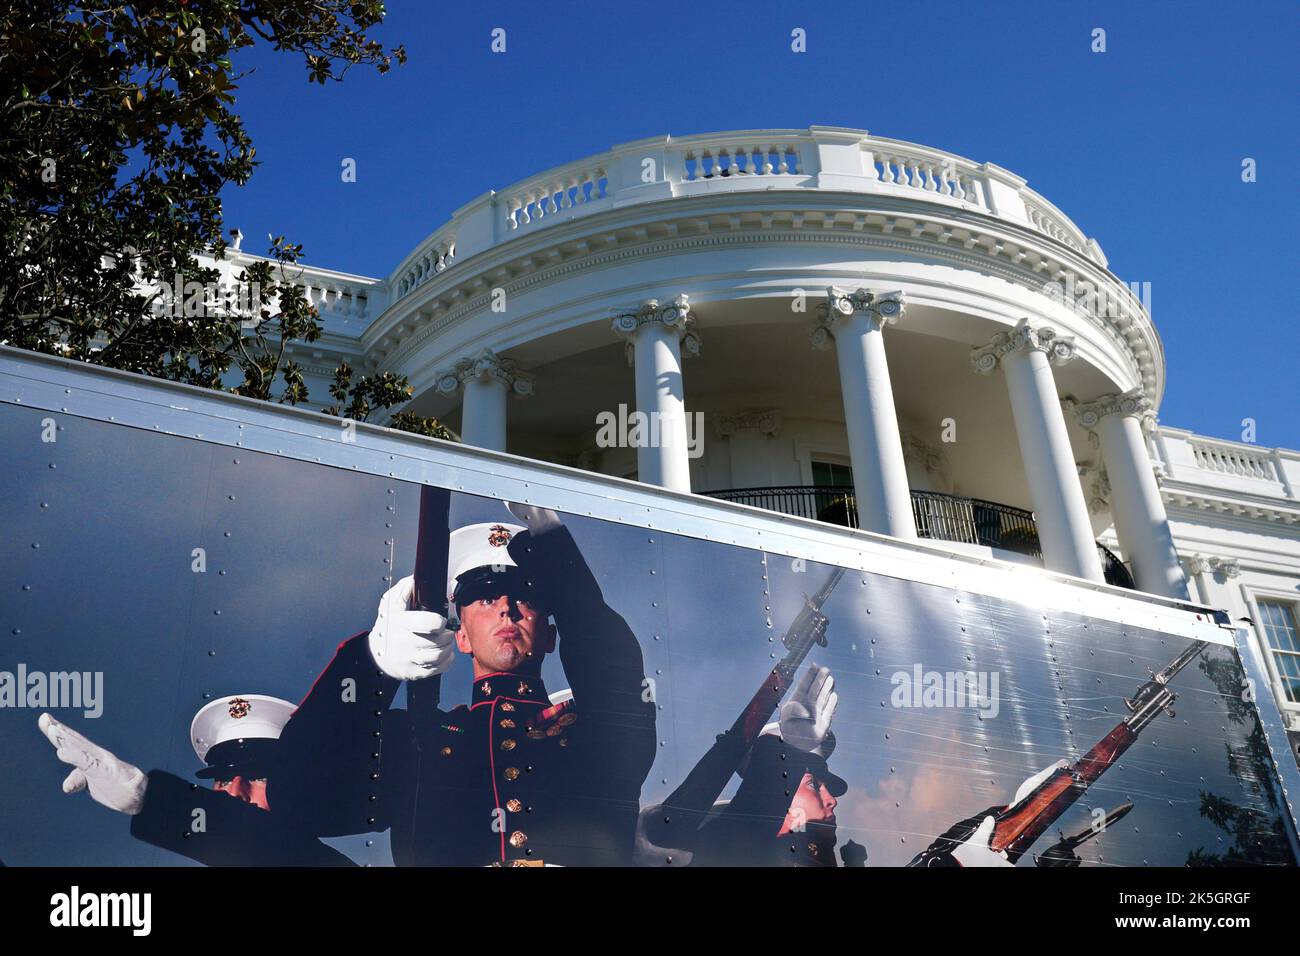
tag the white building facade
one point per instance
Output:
(837, 325)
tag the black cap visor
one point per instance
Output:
(493, 582)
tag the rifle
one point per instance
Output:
(705, 783)
(1061, 853)
(1019, 825)
(422, 696)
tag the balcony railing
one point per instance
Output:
(938, 516)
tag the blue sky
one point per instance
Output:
(1141, 146)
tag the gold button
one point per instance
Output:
(506, 705)
(514, 806)
(446, 751)
(564, 741)
(518, 838)
(508, 724)
(512, 773)
(812, 848)
(508, 744)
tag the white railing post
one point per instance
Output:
(477, 228)
(841, 161)
(640, 171)
(1002, 190)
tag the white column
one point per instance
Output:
(483, 414)
(1194, 567)
(854, 321)
(1026, 356)
(486, 379)
(655, 336)
(1140, 520)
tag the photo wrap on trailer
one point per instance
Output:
(600, 683)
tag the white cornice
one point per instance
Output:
(1179, 495)
(239, 257)
(1003, 249)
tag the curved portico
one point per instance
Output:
(594, 281)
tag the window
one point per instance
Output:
(829, 473)
(1279, 623)
(834, 507)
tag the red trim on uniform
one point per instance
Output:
(513, 700)
(327, 667)
(492, 762)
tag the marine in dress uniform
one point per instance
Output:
(235, 737)
(763, 824)
(783, 813)
(509, 779)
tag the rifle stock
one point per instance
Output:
(1018, 826)
(422, 697)
(709, 778)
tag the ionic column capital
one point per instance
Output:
(881, 308)
(1222, 568)
(1023, 338)
(1228, 567)
(675, 314)
(486, 366)
(764, 420)
(1132, 404)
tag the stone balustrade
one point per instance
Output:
(1048, 220)
(337, 295)
(744, 159)
(909, 166)
(579, 184)
(1226, 465)
(823, 158)
(432, 256)
(1233, 460)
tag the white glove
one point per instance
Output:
(1032, 783)
(976, 850)
(806, 716)
(537, 520)
(112, 782)
(406, 644)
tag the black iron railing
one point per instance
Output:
(938, 516)
(1116, 571)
